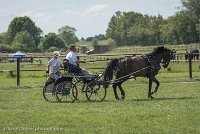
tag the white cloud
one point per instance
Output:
(33, 14)
(95, 9)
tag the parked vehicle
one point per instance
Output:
(90, 52)
(24, 57)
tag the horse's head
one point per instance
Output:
(164, 55)
(168, 55)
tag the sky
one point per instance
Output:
(88, 17)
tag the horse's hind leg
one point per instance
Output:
(150, 86)
(122, 91)
(157, 85)
(115, 91)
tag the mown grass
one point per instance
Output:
(175, 108)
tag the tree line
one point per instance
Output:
(24, 35)
(129, 28)
(125, 28)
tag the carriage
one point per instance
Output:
(125, 68)
(65, 88)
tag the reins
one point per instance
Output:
(126, 76)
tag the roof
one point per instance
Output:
(19, 53)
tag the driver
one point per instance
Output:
(74, 63)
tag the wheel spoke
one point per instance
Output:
(94, 92)
(49, 93)
(66, 92)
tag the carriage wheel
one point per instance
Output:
(81, 86)
(95, 91)
(66, 92)
(49, 93)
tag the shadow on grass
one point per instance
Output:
(108, 101)
(82, 101)
(96, 101)
(161, 99)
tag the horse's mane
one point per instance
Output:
(108, 73)
(158, 50)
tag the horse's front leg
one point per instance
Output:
(115, 91)
(122, 91)
(157, 85)
(150, 86)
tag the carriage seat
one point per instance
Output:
(71, 68)
(77, 71)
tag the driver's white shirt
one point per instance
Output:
(71, 57)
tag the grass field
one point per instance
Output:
(175, 108)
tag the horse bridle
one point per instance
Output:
(166, 59)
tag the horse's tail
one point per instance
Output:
(108, 73)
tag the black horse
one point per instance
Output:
(194, 54)
(130, 67)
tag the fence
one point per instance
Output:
(89, 59)
(139, 49)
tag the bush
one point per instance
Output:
(6, 48)
(51, 40)
(51, 49)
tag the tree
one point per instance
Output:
(89, 39)
(25, 40)
(67, 33)
(100, 37)
(139, 34)
(129, 28)
(94, 42)
(6, 48)
(186, 28)
(113, 30)
(193, 9)
(51, 40)
(123, 28)
(111, 42)
(4, 38)
(179, 28)
(169, 33)
(19, 24)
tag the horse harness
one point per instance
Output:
(153, 66)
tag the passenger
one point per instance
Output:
(53, 68)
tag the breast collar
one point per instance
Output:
(147, 60)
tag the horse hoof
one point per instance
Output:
(123, 97)
(151, 97)
(117, 98)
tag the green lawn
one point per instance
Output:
(175, 108)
